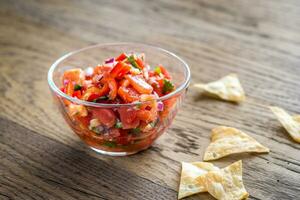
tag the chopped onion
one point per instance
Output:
(160, 106)
(89, 71)
(109, 61)
(66, 82)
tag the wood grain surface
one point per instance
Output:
(40, 157)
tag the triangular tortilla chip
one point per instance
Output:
(297, 118)
(227, 183)
(189, 173)
(227, 140)
(227, 88)
(291, 124)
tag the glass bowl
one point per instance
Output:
(119, 141)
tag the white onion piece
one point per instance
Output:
(89, 71)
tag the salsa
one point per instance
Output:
(125, 79)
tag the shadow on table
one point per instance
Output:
(75, 170)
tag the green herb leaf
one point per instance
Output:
(168, 86)
(132, 61)
(77, 87)
(110, 144)
(135, 130)
(100, 98)
(157, 70)
(119, 124)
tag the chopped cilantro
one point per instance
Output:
(100, 98)
(77, 87)
(110, 143)
(157, 70)
(132, 61)
(119, 124)
(168, 86)
(135, 130)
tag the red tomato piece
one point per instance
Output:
(105, 116)
(124, 83)
(70, 88)
(128, 94)
(73, 75)
(62, 89)
(139, 84)
(77, 94)
(125, 70)
(84, 121)
(102, 69)
(128, 117)
(94, 92)
(112, 84)
(168, 105)
(148, 110)
(121, 57)
(119, 70)
(144, 115)
(140, 63)
(114, 133)
(165, 72)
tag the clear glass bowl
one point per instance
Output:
(112, 141)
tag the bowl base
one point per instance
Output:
(108, 153)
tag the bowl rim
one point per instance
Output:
(56, 89)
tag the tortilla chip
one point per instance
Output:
(227, 140)
(227, 183)
(291, 124)
(227, 88)
(189, 173)
(297, 118)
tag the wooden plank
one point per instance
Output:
(38, 167)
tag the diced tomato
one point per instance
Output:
(148, 110)
(114, 133)
(112, 84)
(123, 140)
(124, 83)
(140, 63)
(157, 84)
(127, 114)
(128, 94)
(124, 71)
(94, 92)
(128, 117)
(164, 72)
(151, 73)
(102, 70)
(70, 88)
(119, 70)
(105, 116)
(84, 121)
(62, 89)
(147, 115)
(144, 115)
(121, 57)
(77, 110)
(77, 94)
(139, 84)
(73, 75)
(168, 105)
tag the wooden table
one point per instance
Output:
(40, 157)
